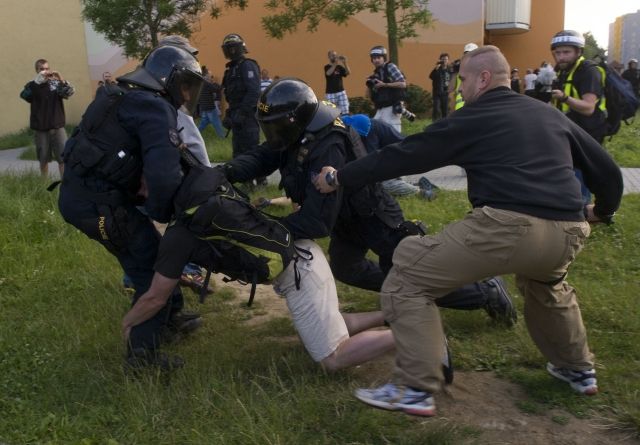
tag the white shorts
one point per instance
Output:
(314, 308)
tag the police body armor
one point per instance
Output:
(361, 202)
(100, 147)
(234, 85)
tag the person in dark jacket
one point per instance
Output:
(440, 78)
(351, 240)
(528, 218)
(241, 87)
(45, 94)
(632, 74)
(124, 154)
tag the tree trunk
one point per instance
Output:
(392, 30)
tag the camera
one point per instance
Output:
(399, 108)
(556, 84)
(371, 81)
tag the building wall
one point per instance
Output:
(57, 32)
(34, 29)
(303, 54)
(530, 49)
(614, 50)
(630, 44)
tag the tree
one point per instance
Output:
(591, 48)
(403, 16)
(135, 25)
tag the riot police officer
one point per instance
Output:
(241, 86)
(123, 154)
(301, 136)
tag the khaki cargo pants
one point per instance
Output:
(485, 243)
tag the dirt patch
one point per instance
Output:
(477, 399)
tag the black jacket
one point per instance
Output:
(318, 212)
(518, 153)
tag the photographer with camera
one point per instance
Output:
(387, 88)
(334, 71)
(440, 78)
(45, 94)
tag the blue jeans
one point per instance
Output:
(211, 117)
(586, 194)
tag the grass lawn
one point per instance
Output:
(61, 380)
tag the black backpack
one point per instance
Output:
(622, 103)
(249, 246)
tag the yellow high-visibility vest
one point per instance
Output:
(458, 95)
(571, 91)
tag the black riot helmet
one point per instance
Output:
(288, 108)
(233, 46)
(378, 51)
(170, 70)
(567, 38)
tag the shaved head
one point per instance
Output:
(482, 70)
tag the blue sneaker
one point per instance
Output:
(398, 398)
(427, 189)
(583, 382)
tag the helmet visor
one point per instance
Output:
(280, 132)
(184, 86)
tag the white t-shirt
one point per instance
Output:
(530, 81)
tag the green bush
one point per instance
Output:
(361, 105)
(419, 100)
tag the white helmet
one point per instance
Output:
(469, 47)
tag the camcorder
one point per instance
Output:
(399, 108)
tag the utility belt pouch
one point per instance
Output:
(80, 155)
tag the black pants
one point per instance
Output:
(347, 257)
(440, 106)
(245, 138)
(137, 256)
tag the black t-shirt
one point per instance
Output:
(334, 81)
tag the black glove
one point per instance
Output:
(227, 171)
(413, 227)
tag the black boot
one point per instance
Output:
(181, 323)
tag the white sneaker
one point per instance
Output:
(398, 398)
(583, 382)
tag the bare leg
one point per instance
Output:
(61, 169)
(358, 349)
(44, 169)
(362, 321)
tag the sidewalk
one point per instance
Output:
(448, 178)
